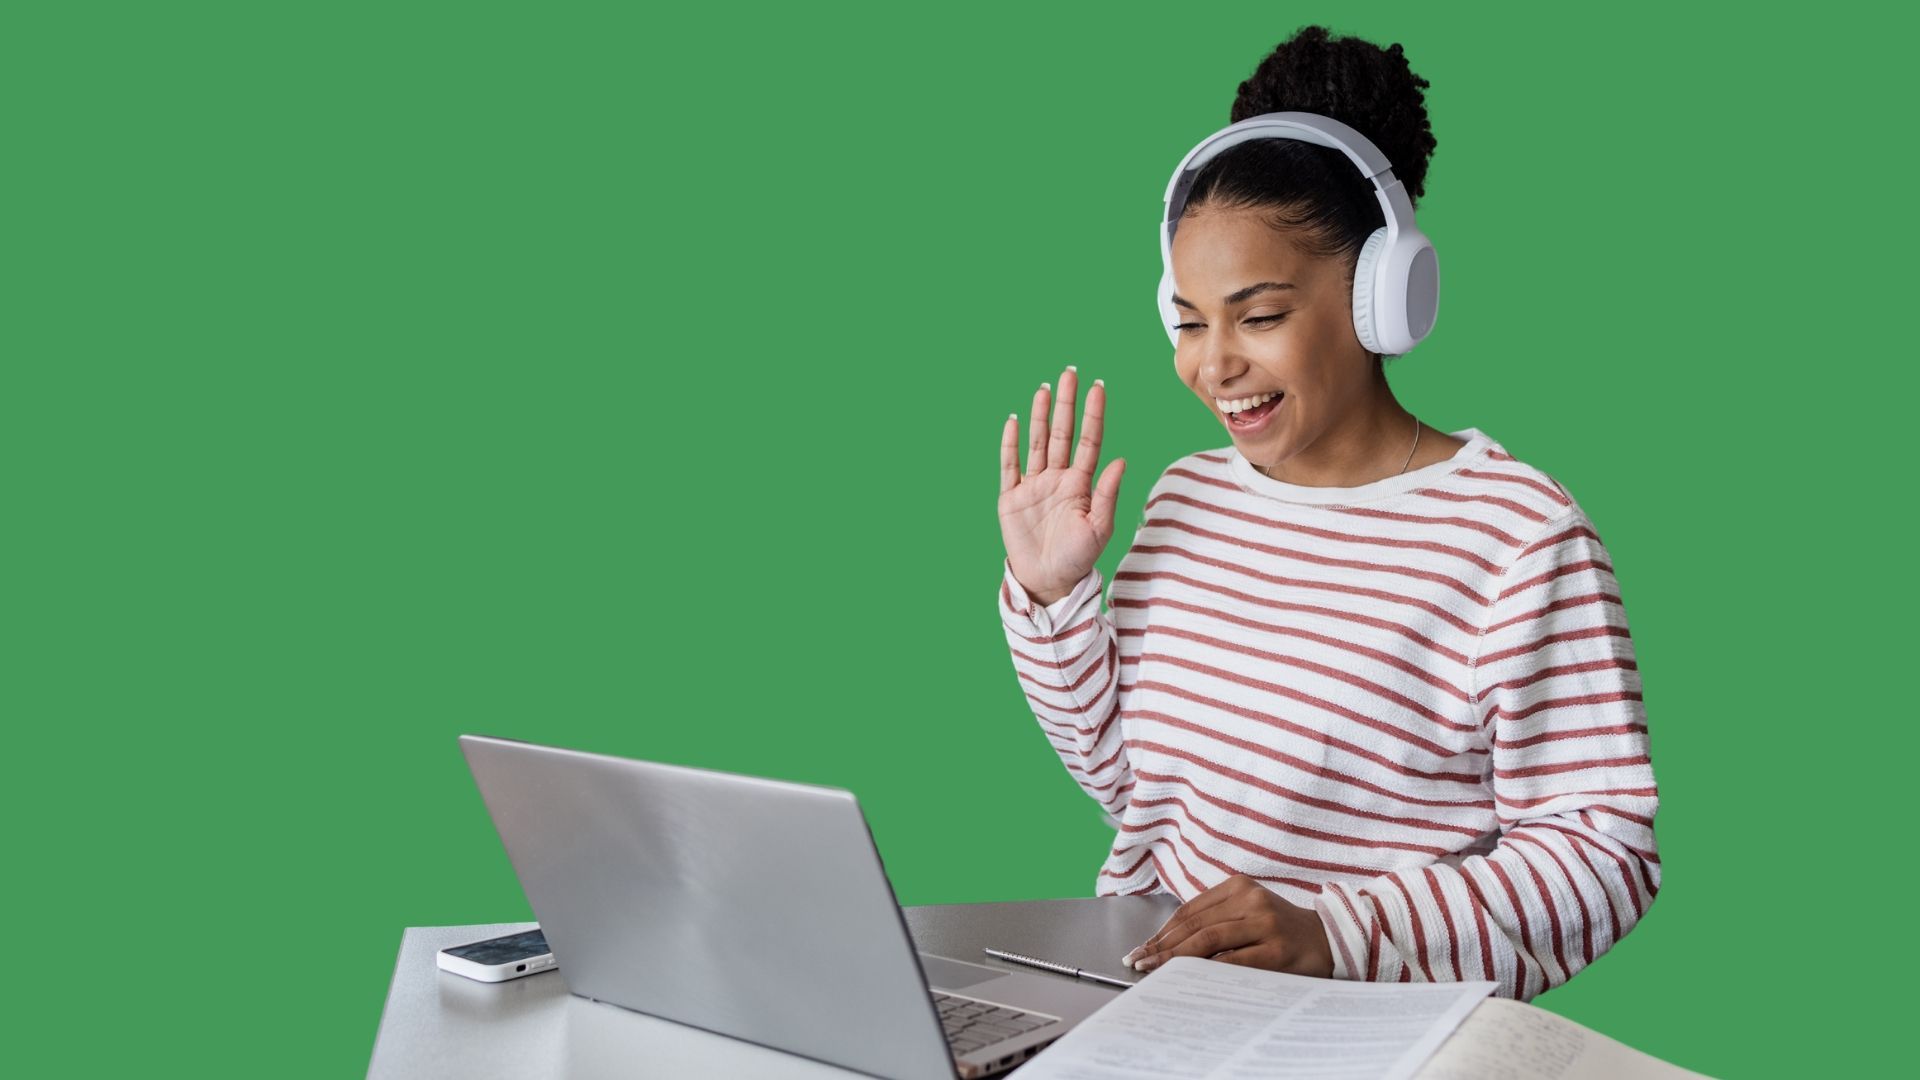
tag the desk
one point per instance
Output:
(441, 1025)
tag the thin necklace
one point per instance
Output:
(1403, 467)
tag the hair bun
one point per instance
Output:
(1357, 83)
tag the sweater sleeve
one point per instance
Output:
(1574, 866)
(1067, 657)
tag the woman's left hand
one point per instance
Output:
(1241, 921)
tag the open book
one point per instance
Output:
(1504, 1039)
(1193, 1019)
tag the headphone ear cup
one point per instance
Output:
(1163, 294)
(1163, 302)
(1363, 307)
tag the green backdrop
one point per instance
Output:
(631, 379)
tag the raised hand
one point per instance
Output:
(1054, 520)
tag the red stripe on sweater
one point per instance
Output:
(1580, 852)
(1064, 635)
(1523, 511)
(1479, 906)
(1090, 672)
(1087, 781)
(1551, 639)
(1611, 662)
(1373, 939)
(1497, 712)
(1129, 871)
(1520, 916)
(1580, 901)
(1559, 767)
(1546, 901)
(1626, 875)
(1419, 934)
(1221, 482)
(1321, 771)
(1446, 912)
(1078, 709)
(1578, 733)
(1525, 481)
(1309, 733)
(1062, 665)
(1248, 846)
(1528, 804)
(1471, 558)
(1564, 603)
(1382, 595)
(1340, 937)
(1637, 819)
(1173, 852)
(1577, 529)
(1426, 643)
(1642, 859)
(1290, 794)
(1327, 671)
(1303, 555)
(1280, 825)
(1505, 538)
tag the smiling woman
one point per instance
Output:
(1363, 695)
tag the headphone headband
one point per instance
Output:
(1300, 127)
(1396, 285)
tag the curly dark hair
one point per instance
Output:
(1313, 192)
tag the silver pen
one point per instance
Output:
(1063, 969)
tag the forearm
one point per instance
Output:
(1554, 894)
(1067, 658)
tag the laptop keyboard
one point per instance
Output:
(972, 1024)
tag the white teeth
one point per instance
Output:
(1243, 404)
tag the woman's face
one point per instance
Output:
(1242, 337)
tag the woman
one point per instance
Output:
(1363, 696)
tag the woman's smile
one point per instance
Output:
(1257, 419)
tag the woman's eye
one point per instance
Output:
(1255, 319)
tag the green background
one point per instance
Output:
(631, 379)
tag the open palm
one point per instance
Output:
(1054, 519)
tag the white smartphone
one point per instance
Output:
(499, 959)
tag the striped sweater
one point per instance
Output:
(1410, 706)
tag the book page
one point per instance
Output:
(1506, 1040)
(1193, 1018)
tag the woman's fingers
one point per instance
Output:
(1105, 493)
(1214, 937)
(1063, 405)
(1010, 453)
(1091, 425)
(1037, 432)
(1271, 955)
(1187, 917)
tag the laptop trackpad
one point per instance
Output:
(952, 974)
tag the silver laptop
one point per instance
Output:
(755, 908)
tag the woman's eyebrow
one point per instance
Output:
(1236, 297)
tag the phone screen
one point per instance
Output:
(502, 950)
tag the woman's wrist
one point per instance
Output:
(1041, 597)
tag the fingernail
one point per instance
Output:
(1127, 960)
(1099, 382)
(1070, 367)
(1046, 386)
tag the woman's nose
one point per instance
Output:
(1218, 365)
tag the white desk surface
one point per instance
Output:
(441, 1025)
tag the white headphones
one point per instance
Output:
(1396, 283)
